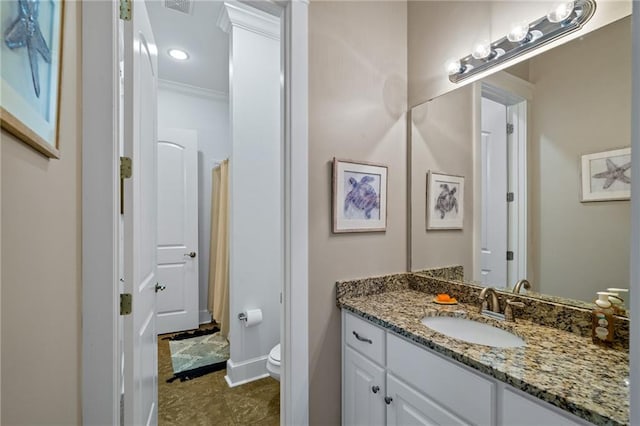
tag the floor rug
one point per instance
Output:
(196, 354)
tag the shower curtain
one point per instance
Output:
(218, 302)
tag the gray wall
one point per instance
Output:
(357, 105)
(442, 141)
(42, 260)
(581, 105)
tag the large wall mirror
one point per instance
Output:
(518, 138)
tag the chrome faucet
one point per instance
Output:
(493, 304)
(522, 283)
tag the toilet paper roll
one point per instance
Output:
(254, 317)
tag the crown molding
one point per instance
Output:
(188, 89)
(236, 14)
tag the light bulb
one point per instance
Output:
(519, 32)
(178, 54)
(454, 67)
(560, 11)
(481, 51)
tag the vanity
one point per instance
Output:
(398, 371)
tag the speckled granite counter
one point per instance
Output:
(562, 368)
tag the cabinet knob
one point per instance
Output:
(388, 399)
(191, 254)
(375, 389)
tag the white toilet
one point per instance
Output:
(273, 362)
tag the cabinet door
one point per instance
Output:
(521, 411)
(364, 390)
(409, 407)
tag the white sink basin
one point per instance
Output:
(473, 332)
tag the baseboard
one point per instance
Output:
(204, 316)
(247, 371)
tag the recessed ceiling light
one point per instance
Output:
(178, 54)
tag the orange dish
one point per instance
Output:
(445, 299)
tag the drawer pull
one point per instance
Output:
(375, 389)
(362, 339)
(388, 399)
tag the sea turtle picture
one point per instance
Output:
(362, 196)
(447, 200)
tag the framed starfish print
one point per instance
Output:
(30, 72)
(606, 176)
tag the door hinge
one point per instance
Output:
(509, 255)
(125, 10)
(126, 171)
(509, 128)
(125, 303)
(125, 168)
(510, 197)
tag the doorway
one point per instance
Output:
(235, 119)
(101, 295)
(501, 174)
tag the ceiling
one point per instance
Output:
(198, 34)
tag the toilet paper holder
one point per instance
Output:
(242, 316)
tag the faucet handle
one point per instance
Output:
(508, 309)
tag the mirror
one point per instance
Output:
(522, 140)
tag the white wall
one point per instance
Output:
(257, 173)
(207, 112)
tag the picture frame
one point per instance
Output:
(30, 84)
(606, 176)
(445, 201)
(359, 197)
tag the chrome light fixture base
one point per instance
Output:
(541, 31)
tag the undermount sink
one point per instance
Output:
(473, 331)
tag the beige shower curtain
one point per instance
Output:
(218, 302)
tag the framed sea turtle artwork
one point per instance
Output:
(359, 197)
(445, 201)
(30, 71)
(606, 176)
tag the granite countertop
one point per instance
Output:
(562, 368)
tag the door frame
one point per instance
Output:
(519, 93)
(101, 334)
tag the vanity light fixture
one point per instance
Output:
(178, 54)
(563, 18)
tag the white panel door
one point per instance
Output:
(493, 229)
(140, 191)
(177, 230)
(364, 390)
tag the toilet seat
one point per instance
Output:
(273, 362)
(274, 355)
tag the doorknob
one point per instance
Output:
(159, 287)
(191, 254)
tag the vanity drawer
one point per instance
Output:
(364, 337)
(455, 388)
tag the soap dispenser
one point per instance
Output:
(602, 328)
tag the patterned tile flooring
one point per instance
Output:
(207, 400)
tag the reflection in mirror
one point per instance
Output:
(518, 137)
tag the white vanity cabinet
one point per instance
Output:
(389, 380)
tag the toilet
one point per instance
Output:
(273, 362)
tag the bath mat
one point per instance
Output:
(196, 356)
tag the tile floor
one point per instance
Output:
(207, 400)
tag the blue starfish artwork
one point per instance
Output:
(614, 173)
(25, 32)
